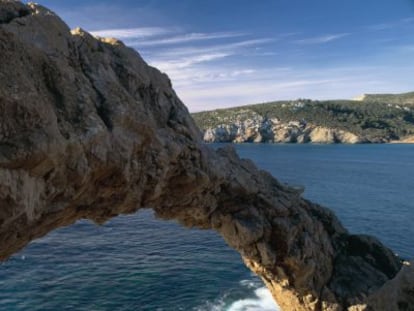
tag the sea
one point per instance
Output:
(137, 262)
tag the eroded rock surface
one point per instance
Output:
(377, 119)
(89, 130)
(257, 129)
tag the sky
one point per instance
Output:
(237, 52)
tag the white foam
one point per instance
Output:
(262, 302)
(249, 283)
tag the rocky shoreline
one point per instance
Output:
(293, 132)
(306, 121)
(273, 131)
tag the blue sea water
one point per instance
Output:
(136, 262)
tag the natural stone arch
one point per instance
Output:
(88, 130)
(133, 261)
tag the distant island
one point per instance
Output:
(370, 118)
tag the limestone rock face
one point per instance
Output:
(322, 135)
(89, 130)
(261, 130)
(406, 140)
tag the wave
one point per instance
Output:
(262, 302)
(255, 298)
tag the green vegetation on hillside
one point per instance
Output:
(397, 99)
(377, 117)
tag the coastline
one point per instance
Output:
(408, 140)
(392, 142)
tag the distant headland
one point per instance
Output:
(369, 118)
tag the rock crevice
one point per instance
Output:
(89, 130)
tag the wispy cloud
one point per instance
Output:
(172, 65)
(265, 54)
(381, 26)
(183, 63)
(212, 48)
(408, 20)
(132, 33)
(189, 37)
(391, 24)
(321, 39)
(197, 76)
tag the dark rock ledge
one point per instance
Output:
(89, 130)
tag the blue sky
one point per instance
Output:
(227, 53)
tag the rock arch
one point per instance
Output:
(89, 130)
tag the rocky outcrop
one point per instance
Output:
(405, 140)
(311, 121)
(89, 130)
(258, 129)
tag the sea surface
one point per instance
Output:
(136, 262)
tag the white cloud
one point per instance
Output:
(186, 38)
(322, 39)
(132, 33)
(265, 54)
(200, 75)
(381, 26)
(188, 51)
(182, 63)
(178, 64)
(390, 25)
(408, 20)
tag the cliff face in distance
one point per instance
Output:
(372, 119)
(89, 130)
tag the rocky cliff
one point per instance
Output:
(89, 130)
(257, 129)
(378, 119)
